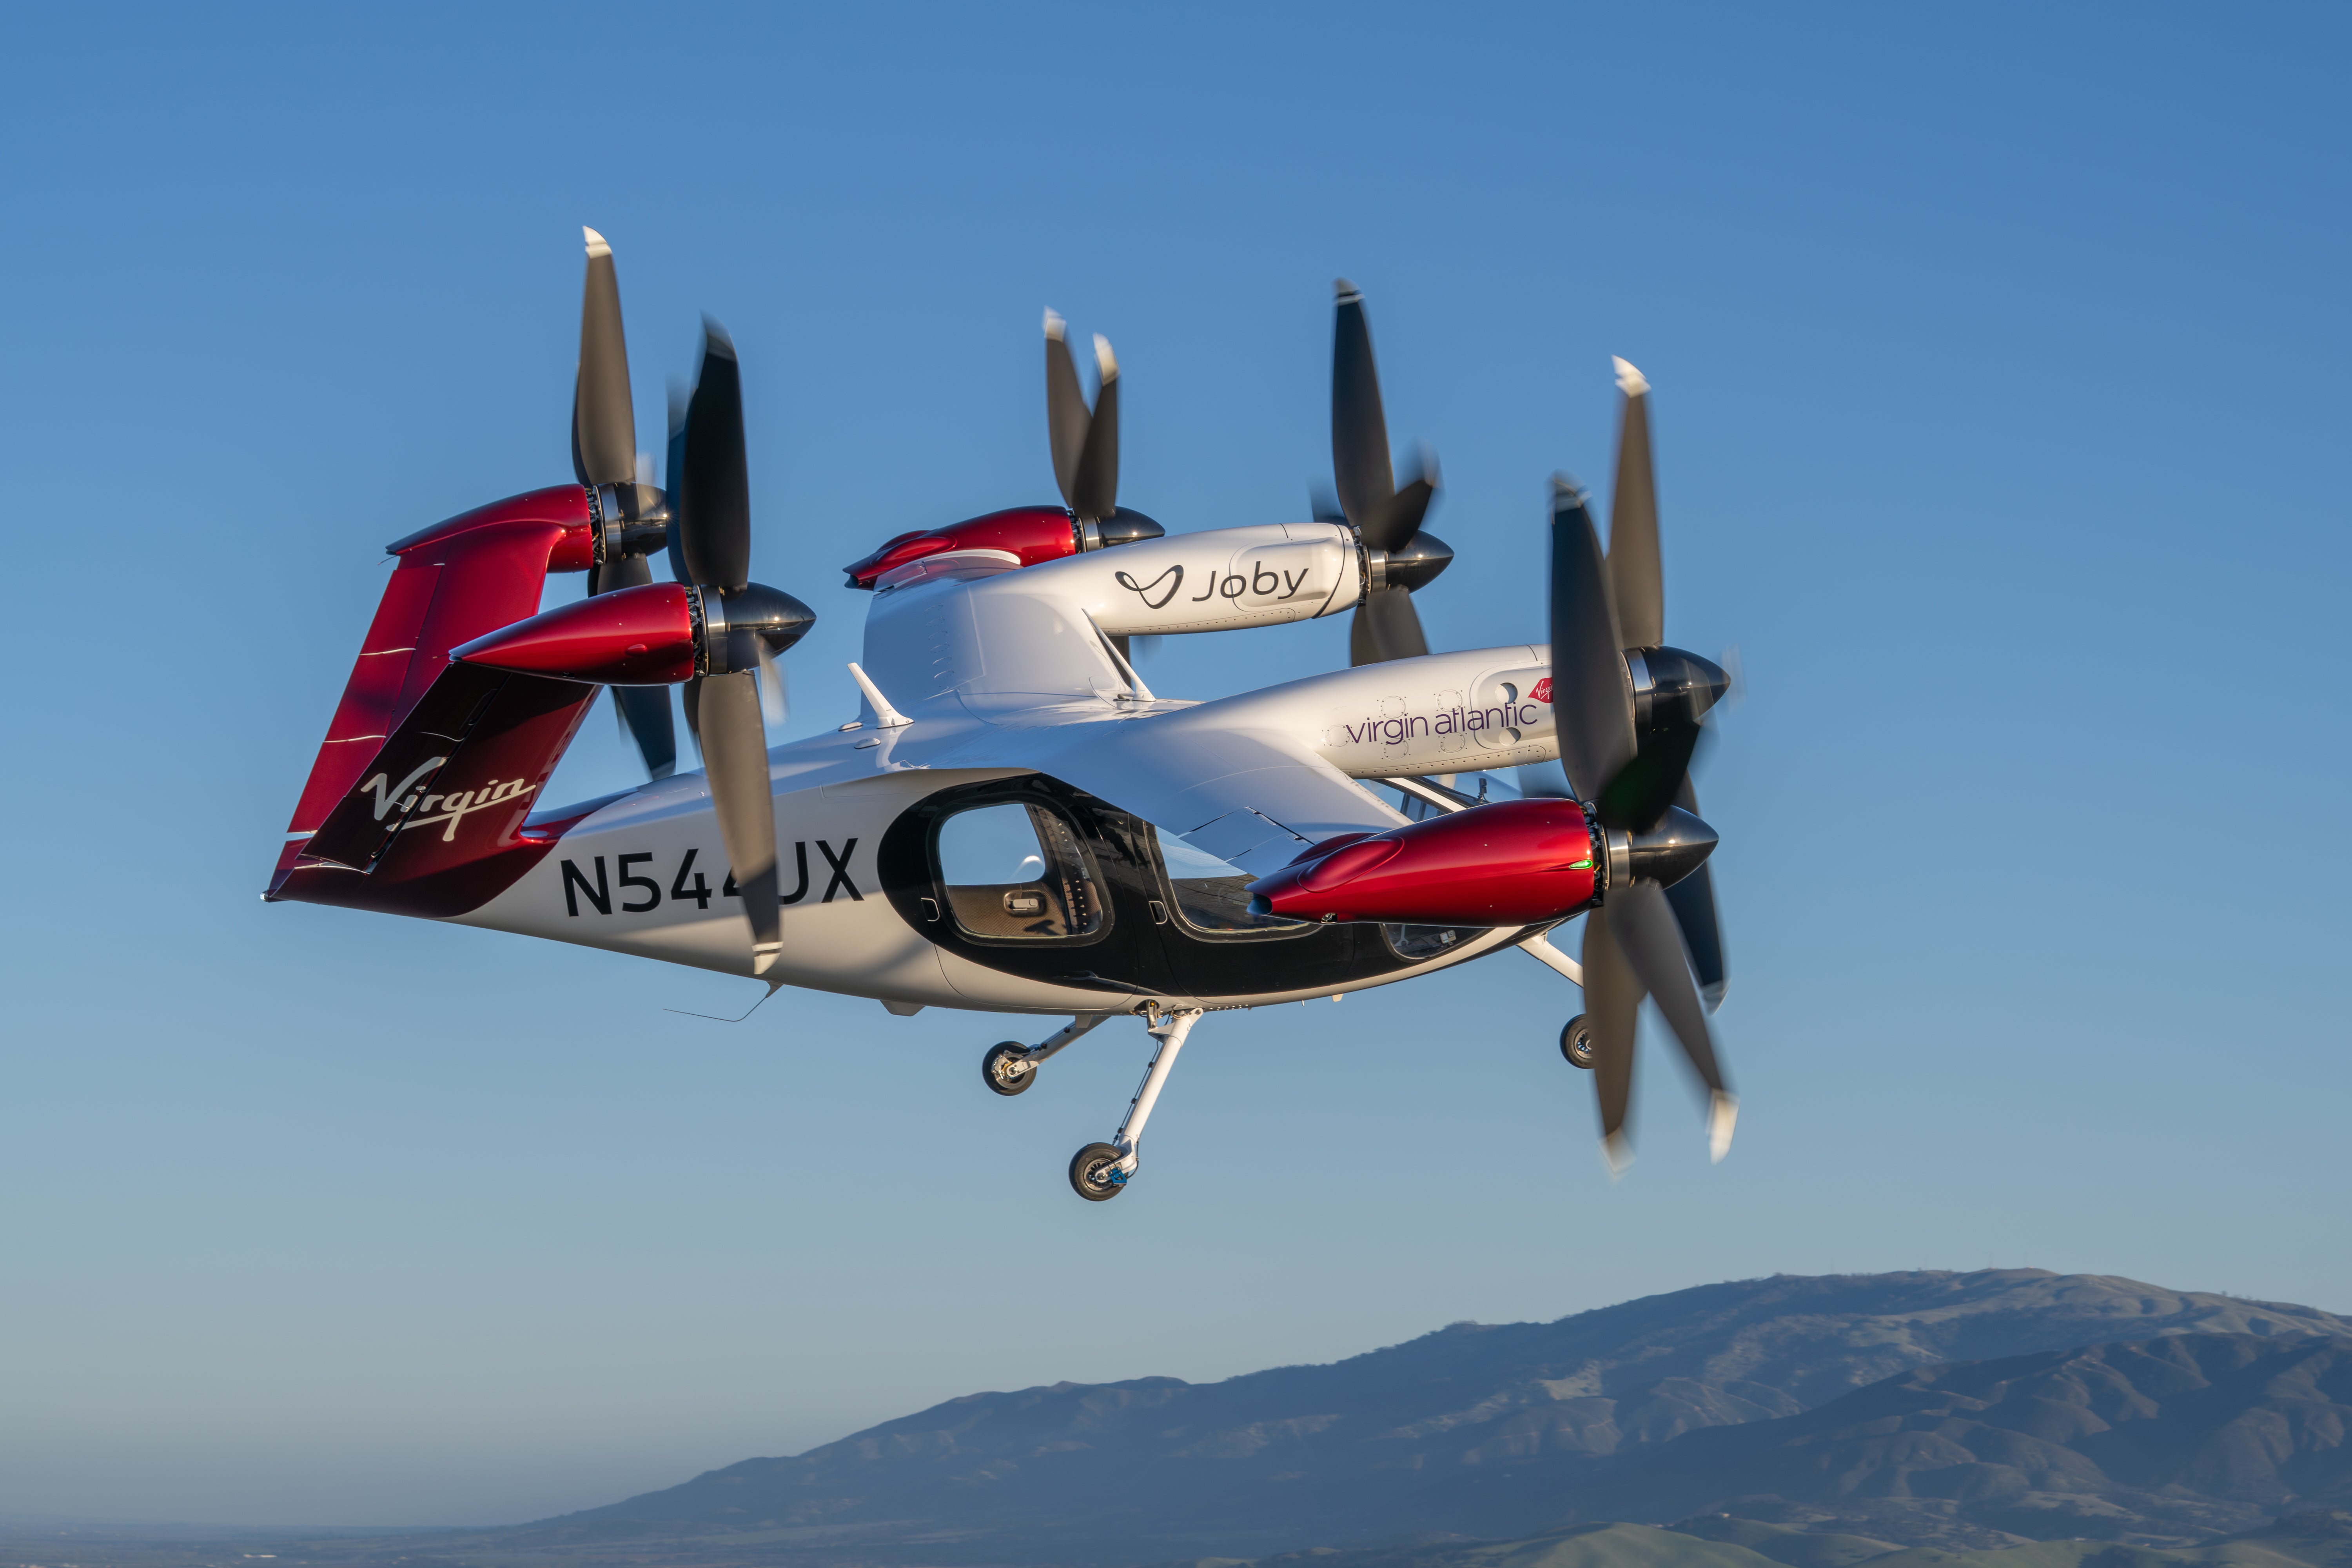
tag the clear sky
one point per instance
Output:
(2000, 365)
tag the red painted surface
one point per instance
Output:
(1034, 534)
(1344, 866)
(456, 580)
(436, 824)
(636, 637)
(1317, 851)
(564, 505)
(1515, 862)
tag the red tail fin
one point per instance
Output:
(456, 581)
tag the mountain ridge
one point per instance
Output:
(1481, 1430)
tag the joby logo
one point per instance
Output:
(1262, 581)
(454, 807)
(1542, 692)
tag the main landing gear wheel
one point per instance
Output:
(1575, 1043)
(1001, 1071)
(1095, 1174)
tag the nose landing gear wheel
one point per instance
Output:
(1576, 1043)
(1095, 1174)
(998, 1068)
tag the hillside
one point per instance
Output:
(2175, 1438)
(1486, 1431)
(2320, 1540)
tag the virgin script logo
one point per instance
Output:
(454, 807)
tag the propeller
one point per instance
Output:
(1085, 443)
(604, 459)
(1637, 586)
(1398, 556)
(743, 625)
(1086, 447)
(1629, 713)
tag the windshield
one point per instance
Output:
(1212, 895)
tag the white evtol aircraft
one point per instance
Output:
(1014, 822)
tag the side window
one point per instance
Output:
(1211, 896)
(1418, 943)
(1013, 871)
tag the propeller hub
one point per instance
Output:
(1123, 526)
(1673, 687)
(1412, 565)
(1664, 852)
(729, 627)
(628, 519)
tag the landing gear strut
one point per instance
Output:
(1100, 1171)
(1009, 1066)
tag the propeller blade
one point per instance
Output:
(1406, 509)
(1066, 418)
(1643, 923)
(1324, 504)
(1094, 491)
(1646, 786)
(1612, 1002)
(1693, 899)
(673, 463)
(645, 718)
(735, 756)
(1636, 583)
(714, 485)
(603, 426)
(1360, 431)
(1591, 694)
(1385, 626)
(775, 698)
(690, 697)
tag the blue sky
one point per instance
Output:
(2000, 412)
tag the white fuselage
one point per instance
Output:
(1004, 673)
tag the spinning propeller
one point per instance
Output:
(743, 625)
(604, 458)
(1086, 447)
(1398, 556)
(1629, 714)
(1085, 443)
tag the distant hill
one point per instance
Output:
(2183, 1436)
(2319, 1540)
(1807, 1397)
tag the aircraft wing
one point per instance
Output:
(1254, 798)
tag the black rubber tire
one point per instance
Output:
(1085, 1173)
(992, 1064)
(1576, 1044)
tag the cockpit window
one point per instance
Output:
(1213, 896)
(1013, 871)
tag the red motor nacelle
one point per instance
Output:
(631, 637)
(1515, 862)
(1034, 534)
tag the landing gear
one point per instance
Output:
(1101, 1171)
(1095, 1174)
(1575, 1043)
(1009, 1066)
(1006, 1067)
